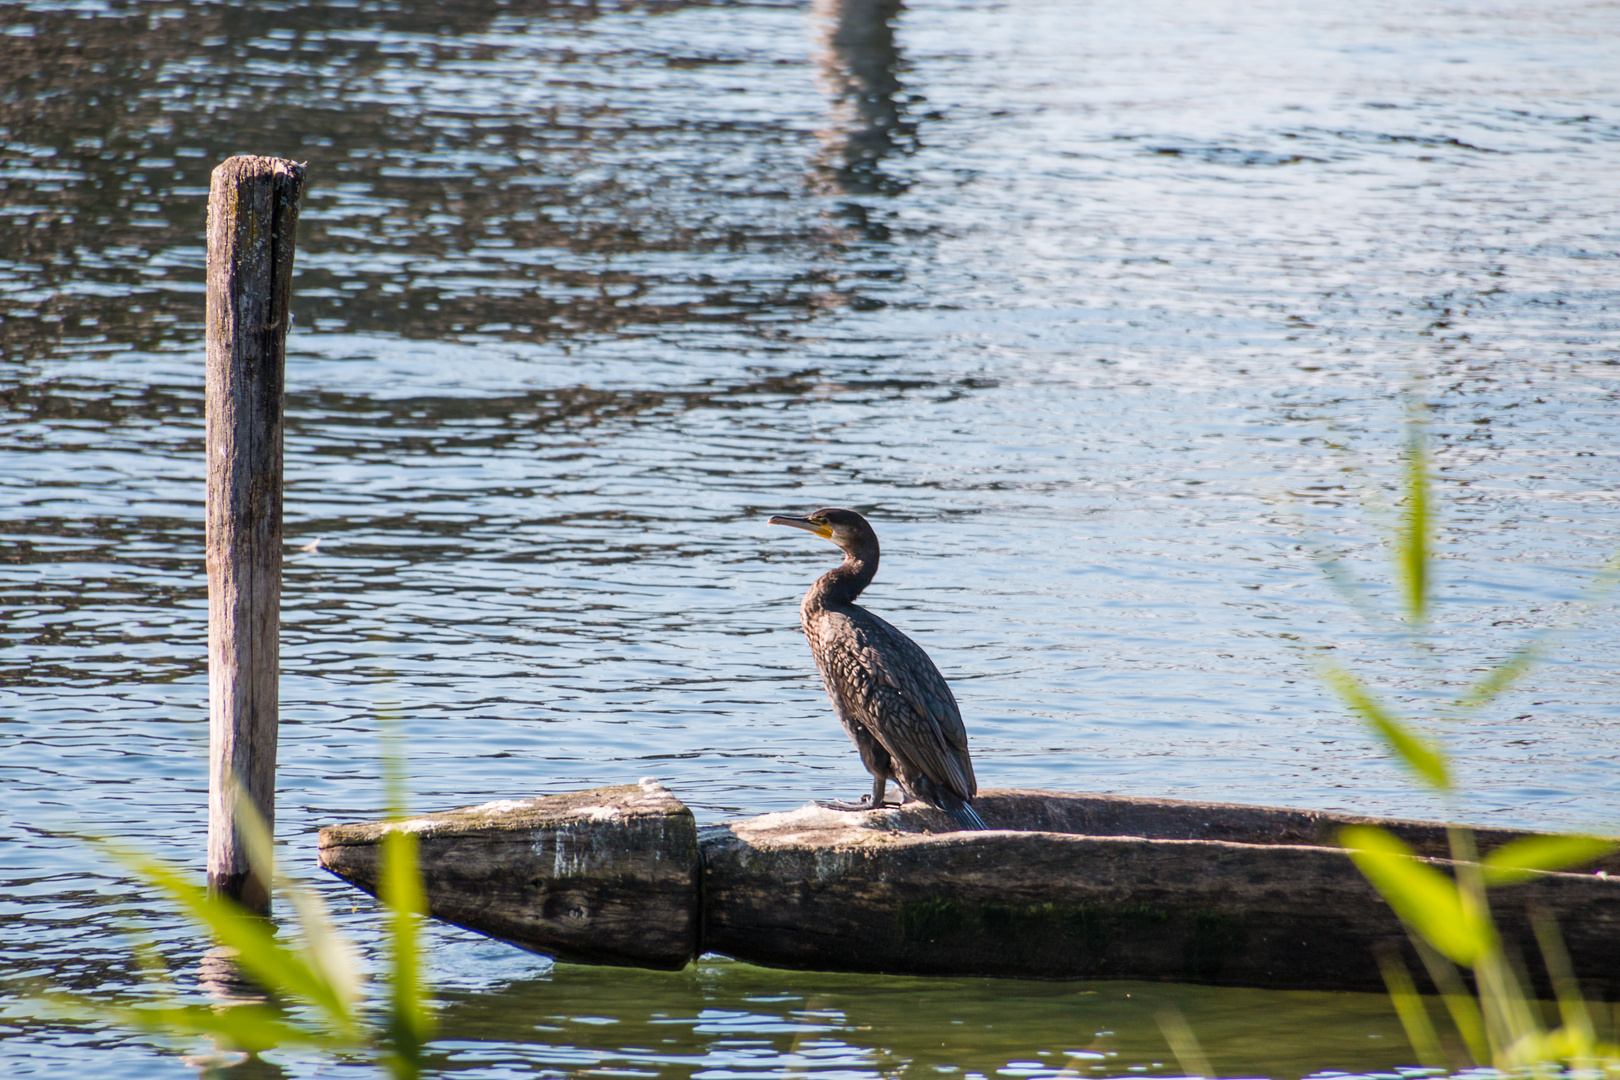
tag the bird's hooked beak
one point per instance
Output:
(806, 524)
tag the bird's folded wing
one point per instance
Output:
(928, 730)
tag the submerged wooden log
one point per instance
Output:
(1066, 886)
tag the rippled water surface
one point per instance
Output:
(1101, 313)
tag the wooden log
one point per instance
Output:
(608, 876)
(1067, 886)
(252, 222)
(1159, 890)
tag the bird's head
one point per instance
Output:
(845, 528)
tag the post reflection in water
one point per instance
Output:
(857, 66)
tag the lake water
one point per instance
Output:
(1103, 314)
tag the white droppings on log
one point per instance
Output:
(561, 865)
(503, 806)
(618, 887)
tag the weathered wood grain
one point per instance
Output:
(608, 876)
(252, 224)
(877, 892)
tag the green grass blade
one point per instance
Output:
(1464, 1010)
(1184, 1043)
(253, 830)
(1413, 541)
(327, 953)
(1409, 1007)
(1519, 860)
(1512, 1020)
(1424, 898)
(267, 961)
(410, 1021)
(149, 962)
(410, 1024)
(1505, 674)
(1500, 677)
(1571, 1005)
(250, 1028)
(1417, 754)
(321, 950)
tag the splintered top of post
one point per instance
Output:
(246, 166)
(246, 189)
(619, 804)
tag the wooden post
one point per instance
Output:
(252, 219)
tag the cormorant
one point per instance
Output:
(889, 696)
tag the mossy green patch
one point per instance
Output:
(928, 921)
(1215, 936)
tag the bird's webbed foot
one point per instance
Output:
(864, 803)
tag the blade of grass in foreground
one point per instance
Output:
(1459, 1002)
(410, 1021)
(1417, 754)
(268, 962)
(1522, 859)
(249, 1028)
(1412, 542)
(1571, 1004)
(327, 956)
(1500, 677)
(1422, 896)
(1184, 1044)
(1409, 1007)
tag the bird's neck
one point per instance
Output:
(842, 584)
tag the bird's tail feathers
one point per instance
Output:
(943, 798)
(965, 816)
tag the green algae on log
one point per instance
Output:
(1065, 886)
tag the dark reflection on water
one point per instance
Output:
(723, 1018)
(469, 172)
(1100, 313)
(858, 65)
(726, 1016)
